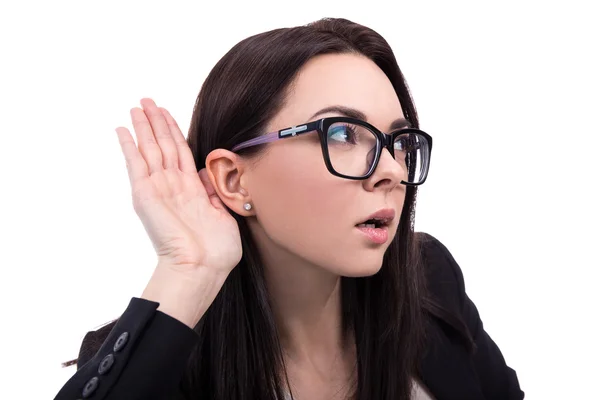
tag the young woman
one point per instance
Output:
(288, 266)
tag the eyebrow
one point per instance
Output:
(357, 114)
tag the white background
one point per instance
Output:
(509, 92)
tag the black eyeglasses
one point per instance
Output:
(352, 148)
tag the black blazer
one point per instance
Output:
(145, 353)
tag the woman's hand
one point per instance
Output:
(189, 226)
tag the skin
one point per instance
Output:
(303, 218)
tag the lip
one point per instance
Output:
(385, 215)
(375, 235)
(380, 234)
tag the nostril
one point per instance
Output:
(383, 182)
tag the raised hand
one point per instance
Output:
(188, 225)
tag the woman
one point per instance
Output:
(288, 266)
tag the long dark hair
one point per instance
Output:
(239, 355)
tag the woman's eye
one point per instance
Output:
(340, 133)
(406, 144)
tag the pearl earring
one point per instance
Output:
(247, 206)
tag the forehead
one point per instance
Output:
(348, 80)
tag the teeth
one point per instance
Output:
(366, 225)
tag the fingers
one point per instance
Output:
(162, 134)
(184, 154)
(154, 137)
(160, 146)
(136, 165)
(147, 144)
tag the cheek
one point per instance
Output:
(294, 191)
(311, 213)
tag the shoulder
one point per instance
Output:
(444, 278)
(444, 297)
(440, 260)
(446, 286)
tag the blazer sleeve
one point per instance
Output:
(497, 380)
(143, 357)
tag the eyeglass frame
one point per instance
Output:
(321, 126)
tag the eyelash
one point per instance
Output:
(352, 130)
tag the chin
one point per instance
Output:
(362, 273)
(359, 271)
(353, 264)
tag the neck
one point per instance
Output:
(307, 307)
(306, 301)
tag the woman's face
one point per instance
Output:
(301, 208)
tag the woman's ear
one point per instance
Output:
(225, 170)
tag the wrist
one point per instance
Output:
(183, 296)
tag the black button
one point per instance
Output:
(90, 387)
(106, 363)
(121, 341)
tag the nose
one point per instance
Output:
(387, 175)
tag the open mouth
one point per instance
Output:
(375, 230)
(374, 223)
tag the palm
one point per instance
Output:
(186, 221)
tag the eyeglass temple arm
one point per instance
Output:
(273, 136)
(269, 137)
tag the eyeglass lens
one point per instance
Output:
(352, 151)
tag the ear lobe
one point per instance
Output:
(225, 170)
